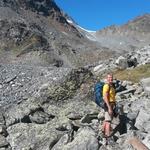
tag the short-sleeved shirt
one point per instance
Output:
(111, 90)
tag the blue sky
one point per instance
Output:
(97, 14)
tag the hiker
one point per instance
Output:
(109, 105)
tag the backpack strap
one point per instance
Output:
(108, 86)
(109, 91)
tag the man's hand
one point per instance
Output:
(110, 111)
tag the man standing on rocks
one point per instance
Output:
(109, 106)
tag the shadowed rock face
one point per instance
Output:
(37, 28)
(42, 7)
(45, 6)
(38, 31)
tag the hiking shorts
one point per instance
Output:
(108, 117)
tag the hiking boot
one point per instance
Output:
(104, 141)
(110, 141)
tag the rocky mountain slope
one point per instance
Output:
(53, 109)
(127, 37)
(46, 103)
(37, 32)
(40, 33)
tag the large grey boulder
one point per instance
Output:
(146, 141)
(85, 139)
(3, 142)
(34, 136)
(125, 62)
(142, 119)
(122, 62)
(146, 85)
(2, 121)
(29, 136)
(18, 113)
(143, 55)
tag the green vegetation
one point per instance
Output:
(68, 88)
(134, 74)
(25, 46)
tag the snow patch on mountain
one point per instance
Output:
(70, 21)
(91, 35)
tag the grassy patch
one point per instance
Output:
(134, 74)
(25, 46)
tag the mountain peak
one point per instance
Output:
(139, 24)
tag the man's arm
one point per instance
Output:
(108, 104)
(106, 99)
